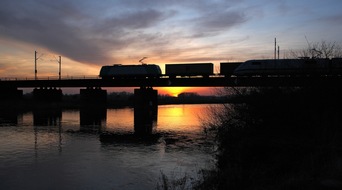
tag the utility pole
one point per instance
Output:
(35, 65)
(278, 52)
(275, 48)
(60, 67)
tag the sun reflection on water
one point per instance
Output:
(170, 118)
(180, 117)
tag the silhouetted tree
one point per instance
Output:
(321, 49)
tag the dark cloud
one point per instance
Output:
(334, 19)
(213, 24)
(45, 25)
(136, 20)
(89, 31)
(63, 28)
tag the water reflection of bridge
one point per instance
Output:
(92, 119)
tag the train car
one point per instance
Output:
(285, 67)
(227, 69)
(130, 71)
(189, 69)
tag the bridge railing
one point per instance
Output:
(80, 77)
(77, 77)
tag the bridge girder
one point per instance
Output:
(178, 82)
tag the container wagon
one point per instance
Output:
(189, 69)
(227, 68)
(130, 71)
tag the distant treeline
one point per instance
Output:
(114, 100)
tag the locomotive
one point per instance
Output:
(130, 71)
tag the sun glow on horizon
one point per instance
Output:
(173, 91)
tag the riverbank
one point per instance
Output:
(279, 138)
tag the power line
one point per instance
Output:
(35, 65)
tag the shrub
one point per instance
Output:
(279, 138)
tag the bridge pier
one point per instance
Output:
(94, 96)
(47, 94)
(145, 110)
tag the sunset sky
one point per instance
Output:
(89, 34)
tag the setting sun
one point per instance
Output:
(173, 91)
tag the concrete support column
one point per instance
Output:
(93, 96)
(145, 110)
(47, 94)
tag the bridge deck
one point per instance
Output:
(177, 82)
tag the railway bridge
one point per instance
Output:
(146, 105)
(165, 81)
(10, 87)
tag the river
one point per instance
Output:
(61, 149)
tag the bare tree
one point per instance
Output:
(323, 50)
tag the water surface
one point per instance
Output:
(61, 149)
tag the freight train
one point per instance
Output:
(260, 68)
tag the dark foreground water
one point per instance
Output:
(51, 149)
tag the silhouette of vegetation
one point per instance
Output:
(176, 182)
(323, 49)
(279, 138)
